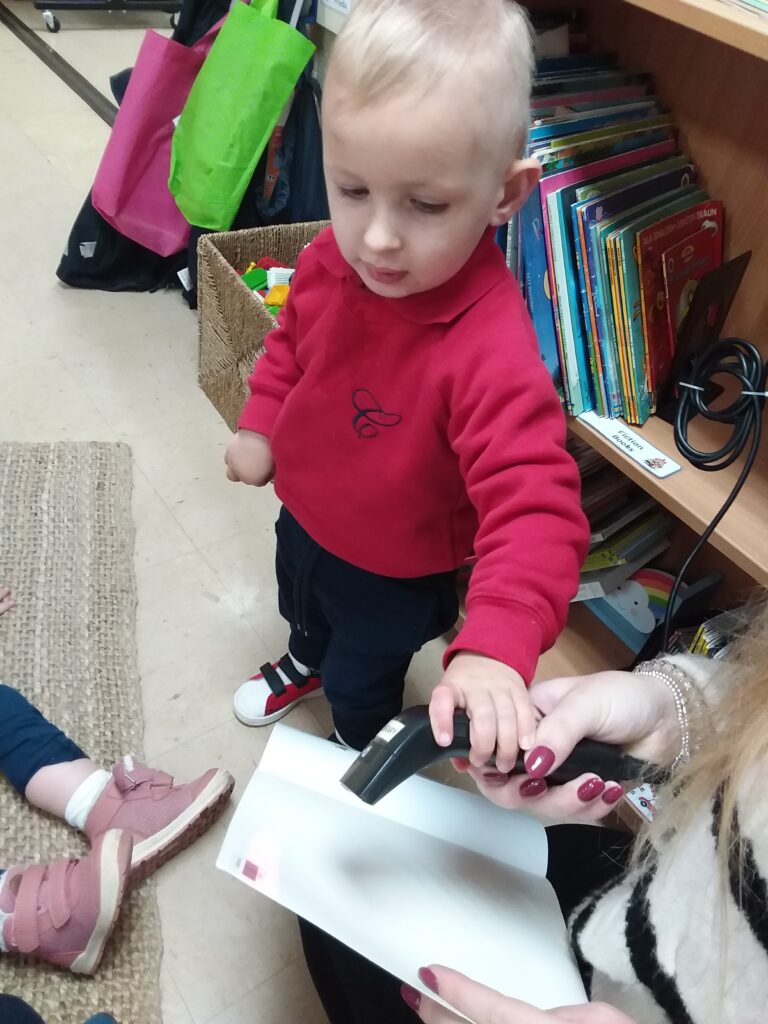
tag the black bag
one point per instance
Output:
(98, 256)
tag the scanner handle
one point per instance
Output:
(604, 759)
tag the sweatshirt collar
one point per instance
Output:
(443, 304)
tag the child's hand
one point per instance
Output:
(497, 702)
(249, 459)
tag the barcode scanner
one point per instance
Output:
(406, 745)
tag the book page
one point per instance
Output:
(400, 893)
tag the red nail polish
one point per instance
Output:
(613, 795)
(590, 789)
(428, 978)
(411, 997)
(495, 779)
(533, 787)
(539, 761)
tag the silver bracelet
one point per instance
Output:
(687, 704)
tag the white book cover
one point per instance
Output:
(431, 874)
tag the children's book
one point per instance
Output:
(430, 872)
(600, 490)
(574, 62)
(629, 312)
(607, 301)
(574, 363)
(600, 95)
(627, 510)
(600, 583)
(634, 608)
(684, 265)
(560, 213)
(651, 244)
(542, 130)
(561, 154)
(629, 543)
(601, 201)
(593, 79)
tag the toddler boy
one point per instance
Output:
(402, 406)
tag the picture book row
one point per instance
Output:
(611, 244)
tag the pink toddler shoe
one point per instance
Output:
(64, 912)
(163, 818)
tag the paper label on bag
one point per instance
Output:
(632, 444)
(343, 6)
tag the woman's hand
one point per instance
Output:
(634, 711)
(485, 1006)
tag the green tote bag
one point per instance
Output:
(231, 111)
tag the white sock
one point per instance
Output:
(299, 668)
(85, 796)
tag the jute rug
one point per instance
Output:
(66, 549)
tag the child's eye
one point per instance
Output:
(431, 208)
(353, 193)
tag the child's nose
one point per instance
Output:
(381, 235)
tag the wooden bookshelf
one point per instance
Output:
(702, 54)
(733, 26)
(695, 496)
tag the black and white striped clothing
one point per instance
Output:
(668, 943)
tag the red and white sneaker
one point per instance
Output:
(273, 691)
(163, 818)
(64, 912)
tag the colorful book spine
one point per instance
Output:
(651, 244)
(550, 185)
(629, 284)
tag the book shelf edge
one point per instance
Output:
(732, 26)
(729, 539)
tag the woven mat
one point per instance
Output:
(66, 549)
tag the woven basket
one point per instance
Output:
(232, 320)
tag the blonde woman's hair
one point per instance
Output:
(390, 47)
(734, 746)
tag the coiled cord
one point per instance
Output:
(738, 359)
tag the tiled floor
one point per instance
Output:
(94, 366)
(95, 43)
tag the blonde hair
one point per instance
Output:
(388, 47)
(724, 767)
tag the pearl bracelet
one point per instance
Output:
(687, 704)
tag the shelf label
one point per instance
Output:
(632, 444)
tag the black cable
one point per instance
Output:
(738, 359)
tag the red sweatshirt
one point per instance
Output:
(409, 434)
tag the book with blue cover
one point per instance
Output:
(601, 201)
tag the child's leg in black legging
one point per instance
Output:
(28, 741)
(15, 1011)
(44, 764)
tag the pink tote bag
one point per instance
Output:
(130, 190)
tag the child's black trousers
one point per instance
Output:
(360, 630)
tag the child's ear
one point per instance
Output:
(521, 179)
